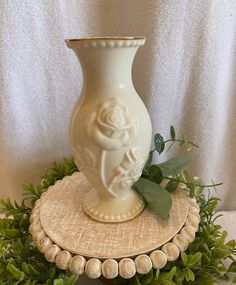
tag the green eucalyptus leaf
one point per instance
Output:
(159, 143)
(172, 133)
(154, 174)
(173, 165)
(172, 186)
(157, 198)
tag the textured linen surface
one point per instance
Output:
(227, 221)
(185, 75)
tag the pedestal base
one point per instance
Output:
(69, 237)
(119, 210)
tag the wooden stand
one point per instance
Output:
(67, 236)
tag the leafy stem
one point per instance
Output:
(193, 184)
(181, 141)
(160, 143)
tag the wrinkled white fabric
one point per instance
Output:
(185, 74)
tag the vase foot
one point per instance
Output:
(113, 210)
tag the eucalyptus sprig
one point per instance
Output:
(149, 186)
(192, 183)
(160, 143)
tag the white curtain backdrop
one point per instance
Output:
(185, 74)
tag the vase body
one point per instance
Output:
(110, 128)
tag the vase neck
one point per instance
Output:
(107, 64)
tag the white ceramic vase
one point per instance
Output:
(110, 128)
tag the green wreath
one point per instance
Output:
(201, 264)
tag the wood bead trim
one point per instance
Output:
(63, 260)
(143, 264)
(111, 268)
(127, 268)
(93, 268)
(77, 264)
(159, 259)
(171, 251)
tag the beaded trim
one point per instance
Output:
(110, 268)
(106, 42)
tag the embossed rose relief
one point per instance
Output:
(111, 128)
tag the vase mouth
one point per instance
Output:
(106, 41)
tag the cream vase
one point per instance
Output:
(110, 128)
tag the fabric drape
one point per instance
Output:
(185, 75)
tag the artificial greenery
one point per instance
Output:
(20, 261)
(158, 198)
(201, 264)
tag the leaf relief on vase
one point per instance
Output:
(110, 125)
(127, 173)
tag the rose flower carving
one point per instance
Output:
(110, 125)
